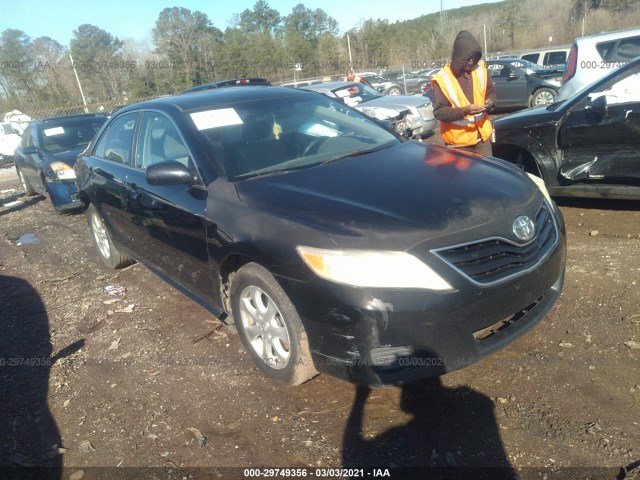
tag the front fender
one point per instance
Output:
(543, 155)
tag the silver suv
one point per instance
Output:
(594, 56)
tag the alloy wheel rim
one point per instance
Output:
(544, 98)
(265, 328)
(100, 234)
(23, 181)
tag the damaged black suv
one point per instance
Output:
(585, 146)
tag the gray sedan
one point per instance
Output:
(410, 116)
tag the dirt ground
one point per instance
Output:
(148, 379)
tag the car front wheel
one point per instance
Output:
(543, 96)
(269, 326)
(394, 91)
(109, 254)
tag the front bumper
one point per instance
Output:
(64, 195)
(379, 337)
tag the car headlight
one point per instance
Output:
(381, 113)
(372, 268)
(543, 188)
(63, 171)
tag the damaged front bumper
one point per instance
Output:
(380, 337)
(63, 195)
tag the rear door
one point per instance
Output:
(604, 146)
(31, 163)
(510, 85)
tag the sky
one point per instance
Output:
(135, 19)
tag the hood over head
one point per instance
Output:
(465, 47)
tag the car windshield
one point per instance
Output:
(8, 130)
(68, 135)
(356, 93)
(277, 135)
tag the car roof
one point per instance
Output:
(234, 82)
(610, 35)
(71, 118)
(199, 100)
(328, 85)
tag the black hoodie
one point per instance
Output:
(465, 47)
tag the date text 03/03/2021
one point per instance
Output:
(316, 472)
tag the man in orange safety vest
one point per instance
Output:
(462, 95)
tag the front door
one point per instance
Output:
(602, 145)
(168, 221)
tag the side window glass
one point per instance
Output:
(555, 58)
(628, 49)
(532, 57)
(102, 145)
(26, 138)
(118, 140)
(604, 49)
(159, 141)
(625, 89)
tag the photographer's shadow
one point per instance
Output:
(30, 441)
(453, 431)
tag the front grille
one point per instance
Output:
(494, 260)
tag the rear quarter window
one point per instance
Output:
(627, 49)
(605, 48)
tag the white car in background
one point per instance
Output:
(9, 141)
(594, 56)
(410, 116)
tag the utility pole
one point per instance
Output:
(84, 102)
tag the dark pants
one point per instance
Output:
(481, 148)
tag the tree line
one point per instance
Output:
(187, 49)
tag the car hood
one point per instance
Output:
(396, 102)
(532, 117)
(398, 197)
(68, 156)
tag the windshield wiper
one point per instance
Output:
(355, 154)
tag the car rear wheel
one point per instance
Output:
(394, 91)
(269, 326)
(543, 96)
(26, 186)
(109, 254)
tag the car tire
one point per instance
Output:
(26, 186)
(108, 253)
(421, 87)
(542, 96)
(394, 91)
(270, 327)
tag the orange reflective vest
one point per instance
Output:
(465, 132)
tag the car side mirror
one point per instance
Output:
(599, 106)
(169, 173)
(32, 150)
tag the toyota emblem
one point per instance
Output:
(524, 228)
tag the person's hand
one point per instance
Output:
(473, 109)
(488, 105)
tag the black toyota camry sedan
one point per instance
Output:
(333, 244)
